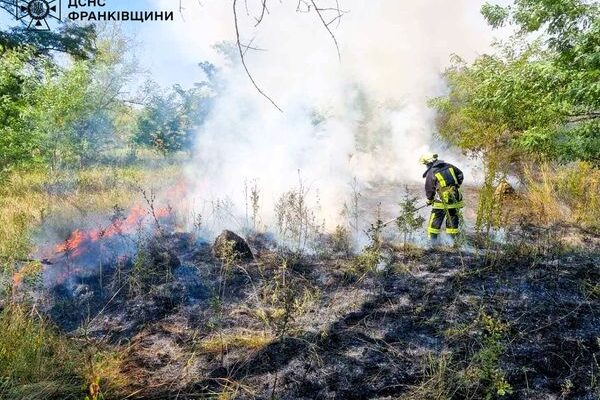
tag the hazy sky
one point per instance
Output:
(172, 50)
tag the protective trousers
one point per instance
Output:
(452, 216)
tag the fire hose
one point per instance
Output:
(395, 219)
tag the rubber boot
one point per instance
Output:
(434, 240)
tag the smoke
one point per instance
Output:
(364, 117)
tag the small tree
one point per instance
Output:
(169, 120)
(409, 220)
(371, 254)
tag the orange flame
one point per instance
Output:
(75, 245)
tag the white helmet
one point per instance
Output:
(428, 158)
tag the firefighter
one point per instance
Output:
(442, 188)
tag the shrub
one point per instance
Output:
(341, 242)
(297, 222)
(409, 220)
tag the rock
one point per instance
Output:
(240, 248)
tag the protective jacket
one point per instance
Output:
(444, 180)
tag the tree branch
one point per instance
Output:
(318, 11)
(262, 13)
(243, 60)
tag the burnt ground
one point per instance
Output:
(517, 322)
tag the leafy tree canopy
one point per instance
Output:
(76, 41)
(168, 122)
(535, 97)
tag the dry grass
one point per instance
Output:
(542, 199)
(36, 362)
(579, 187)
(103, 375)
(440, 379)
(231, 390)
(239, 339)
(557, 195)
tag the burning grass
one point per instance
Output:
(37, 362)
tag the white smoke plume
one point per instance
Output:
(364, 117)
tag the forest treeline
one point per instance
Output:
(72, 98)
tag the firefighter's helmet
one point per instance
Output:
(428, 158)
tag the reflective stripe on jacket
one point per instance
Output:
(444, 179)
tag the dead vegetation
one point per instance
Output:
(514, 316)
(291, 326)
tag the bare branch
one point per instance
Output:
(262, 13)
(249, 47)
(340, 12)
(336, 18)
(243, 60)
(305, 4)
(181, 8)
(318, 11)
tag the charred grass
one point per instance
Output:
(514, 319)
(37, 360)
(433, 324)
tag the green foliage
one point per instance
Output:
(371, 256)
(484, 367)
(367, 260)
(153, 265)
(170, 119)
(73, 113)
(495, 14)
(77, 41)
(537, 99)
(488, 209)
(478, 376)
(17, 148)
(59, 115)
(532, 101)
(341, 240)
(521, 106)
(409, 220)
(76, 110)
(570, 27)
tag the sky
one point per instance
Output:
(172, 50)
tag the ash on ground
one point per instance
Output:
(521, 321)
